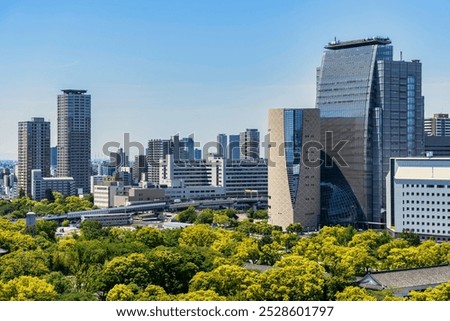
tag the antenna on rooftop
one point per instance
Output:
(401, 55)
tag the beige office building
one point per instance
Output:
(294, 167)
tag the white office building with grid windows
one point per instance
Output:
(418, 197)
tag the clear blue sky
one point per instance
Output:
(155, 68)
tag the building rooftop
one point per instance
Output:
(440, 115)
(420, 160)
(38, 119)
(174, 225)
(258, 267)
(439, 173)
(337, 44)
(53, 179)
(422, 168)
(74, 91)
(407, 279)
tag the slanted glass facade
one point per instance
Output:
(293, 134)
(362, 96)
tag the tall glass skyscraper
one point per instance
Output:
(293, 167)
(74, 137)
(233, 151)
(222, 145)
(375, 105)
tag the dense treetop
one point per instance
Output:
(203, 261)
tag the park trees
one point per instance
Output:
(226, 280)
(91, 230)
(15, 240)
(354, 293)
(439, 293)
(27, 288)
(197, 235)
(201, 295)
(24, 263)
(150, 236)
(187, 216)
(120, 292)
(153, 293)
(292, 278)
(295, 228)
(173, 268)
(133, 268)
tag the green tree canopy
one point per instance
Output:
(133, 268)
(296, 228)
(92, 230)
(120, 292)
(200, 295)
(187, 216)
(226, 280)
(153, 293)
(354, 293)
(27, 288)
(197, 235)
(150, 236)
(24, 263)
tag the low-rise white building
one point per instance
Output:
(104, 193)
(194, 192)
(214, 177)
(117, 219)
(418, 197)
(39, 185)
(133, 196)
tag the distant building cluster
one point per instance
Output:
(42, 169)
(364, 155)
(171, 167)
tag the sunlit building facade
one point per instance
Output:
(74, 137)
(375, 106)
(294, 167)
(33, 151)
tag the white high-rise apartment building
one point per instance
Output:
(74, 137)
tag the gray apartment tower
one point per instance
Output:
(33, 151)
(74, 137)
(157, 150)
(438, 125)
(294, 167)
(249, 144)
(375, 106)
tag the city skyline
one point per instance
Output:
(168, 67)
